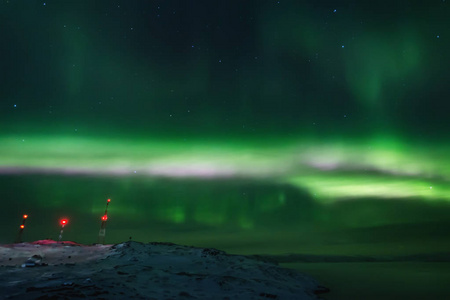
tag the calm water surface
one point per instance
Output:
(398, 280)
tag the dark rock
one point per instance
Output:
(267, 295)
(321, 290)
(33, 289)
(33, 261)
(185, 294)
(211, 252)
(48, 297)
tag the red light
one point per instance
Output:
(104, 218)
(22, 226)
(64, 221)
(109, 200)
(25, 216)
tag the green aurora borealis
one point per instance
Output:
(256, 127)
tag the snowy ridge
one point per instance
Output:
(158, 271)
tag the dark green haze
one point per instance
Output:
(251, 126)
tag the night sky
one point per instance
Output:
(250, 126)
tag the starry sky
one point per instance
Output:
(254, 127)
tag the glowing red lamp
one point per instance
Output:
(63, 222)
(109, 200)
(22, 226)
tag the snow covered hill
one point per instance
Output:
(50, 270)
